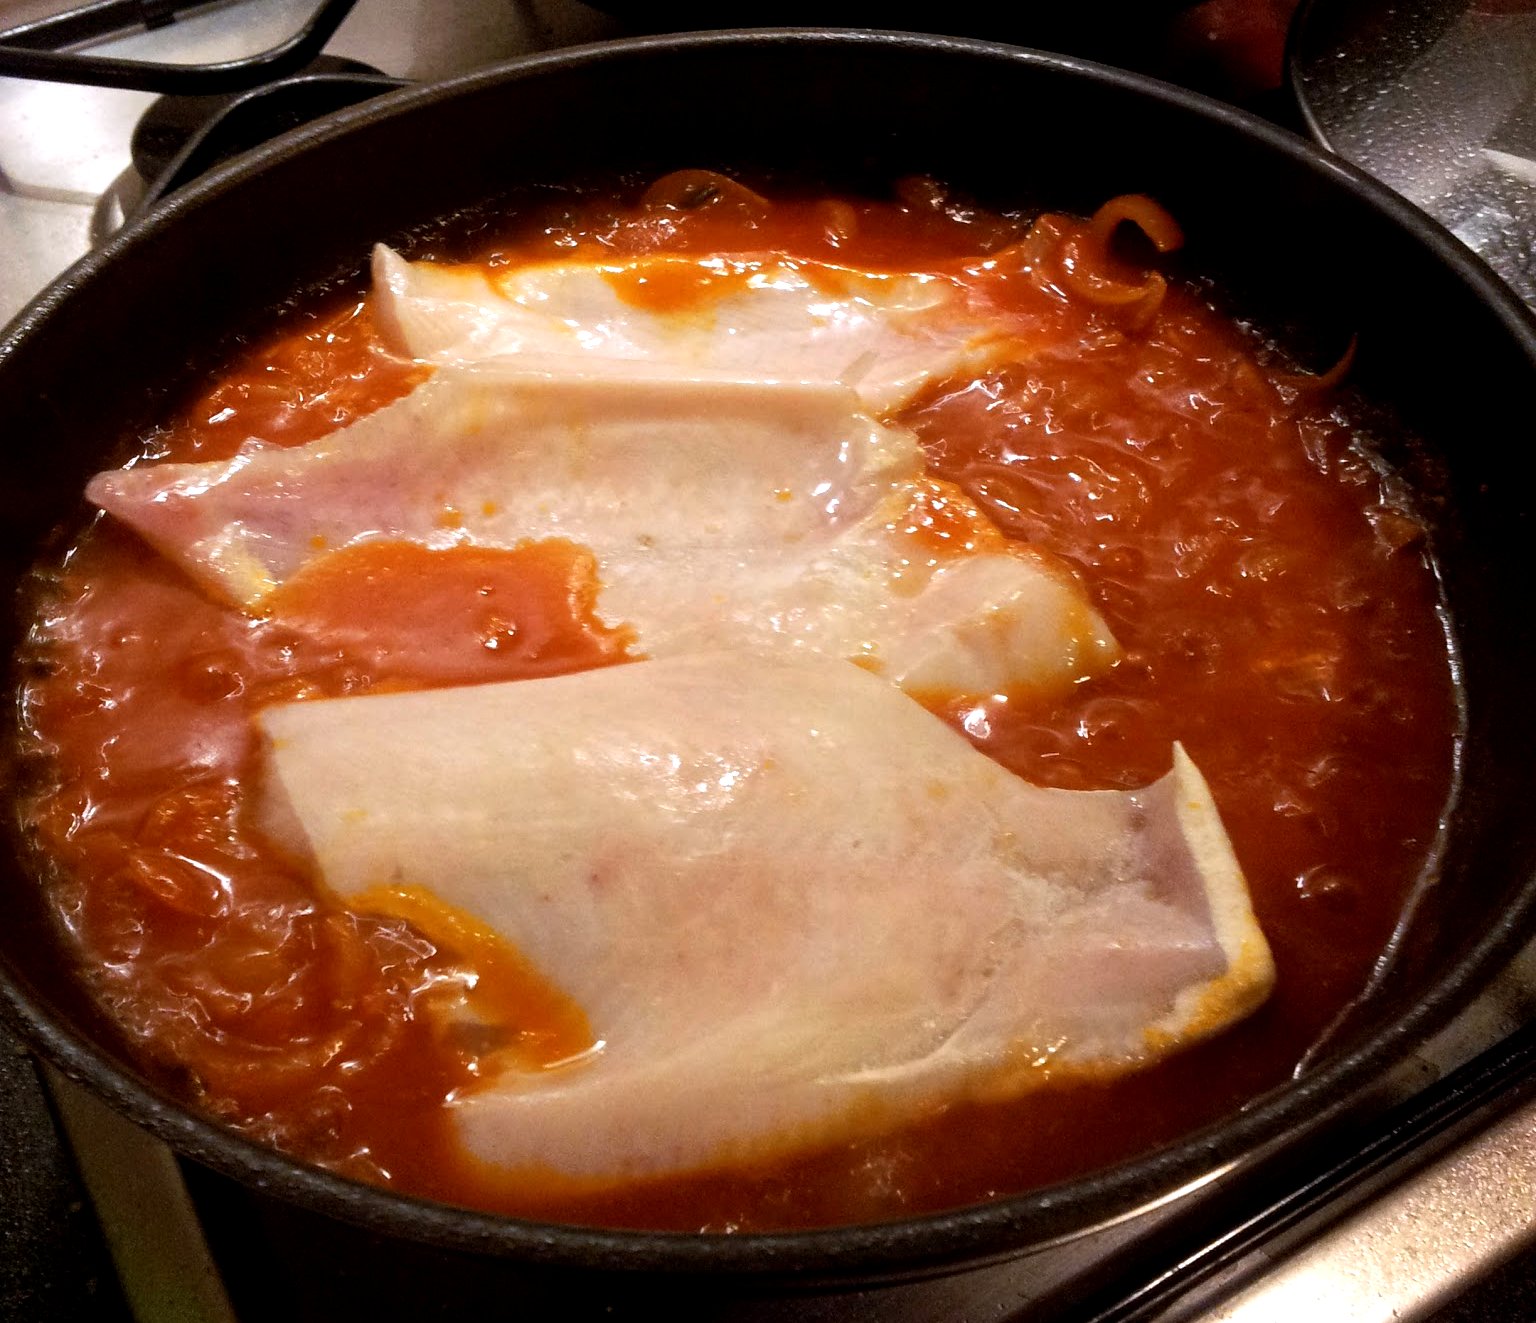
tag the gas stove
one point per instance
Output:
(100, 1222)
(67, 173)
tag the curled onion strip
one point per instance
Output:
(1139, 210)
(1306, 381)
(693, 190)
(1138, 303)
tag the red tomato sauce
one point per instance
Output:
(1279, 615)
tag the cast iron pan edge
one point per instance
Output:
(882, 1251)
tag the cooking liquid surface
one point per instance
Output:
(1278, 615)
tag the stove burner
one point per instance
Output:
(166, 128)
(181, 137)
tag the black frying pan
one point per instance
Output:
(1303, 243)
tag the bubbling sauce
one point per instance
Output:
(1278, 610)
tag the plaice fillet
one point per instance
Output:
(791, 902)
(721, 513)
(763, 316)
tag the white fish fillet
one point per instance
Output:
(763, 317)
(722, 513)
(792, 904)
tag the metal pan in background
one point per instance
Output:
(1438, 102)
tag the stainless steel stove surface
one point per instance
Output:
(65, 166)
(1441, 1195)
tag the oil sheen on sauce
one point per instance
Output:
(1279, 617)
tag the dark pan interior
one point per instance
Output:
(1295, 240)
